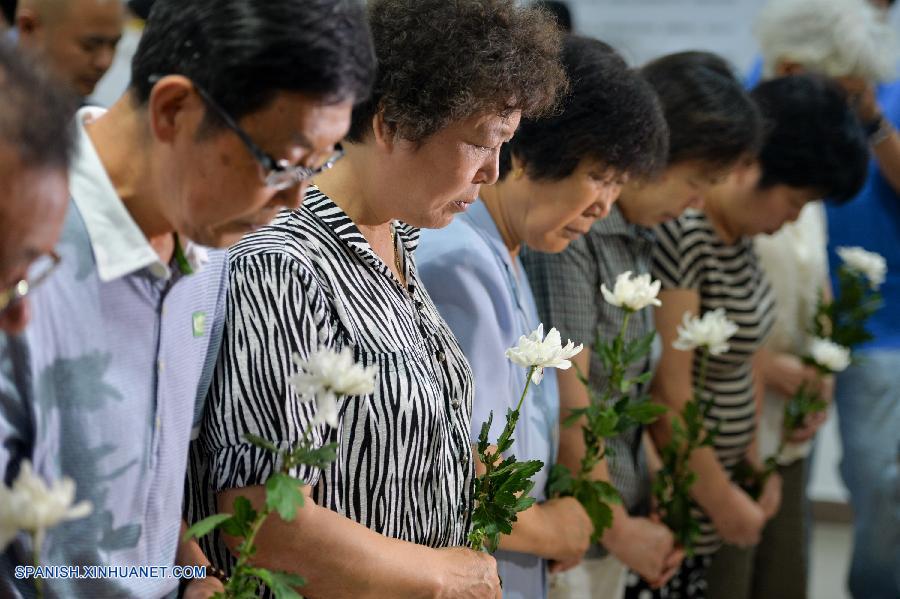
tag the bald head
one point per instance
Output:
(75, 38)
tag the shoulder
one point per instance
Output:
(457, 245)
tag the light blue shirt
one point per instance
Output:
(105, 387)
(484, 296)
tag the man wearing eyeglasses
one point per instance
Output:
(234, 105)
(35, 147)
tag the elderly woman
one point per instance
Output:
(705, 259)
(712, 123)
(559, 175)
(388, 517)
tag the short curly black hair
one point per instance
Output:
(441, 61)
(813, 137)
(711, 117)
(610, 114)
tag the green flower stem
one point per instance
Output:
(514, 416)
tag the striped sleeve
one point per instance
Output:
(678, 254)
(273, 312)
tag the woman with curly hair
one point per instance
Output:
(558, 175)
(712, 123)
(389, 517)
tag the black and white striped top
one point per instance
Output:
(690, 255)
(307, 281)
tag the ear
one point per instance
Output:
(28, 24)
(384, 133)
(785, 68)
(173, 106)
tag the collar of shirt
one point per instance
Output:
(334, 217)
(120, 247)
(615, 224)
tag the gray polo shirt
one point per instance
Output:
(105, 387)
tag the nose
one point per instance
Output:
(103, 59)
(291, 197)
(15, 317)
(489, 171)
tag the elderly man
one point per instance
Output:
(75, 38)
(233, 106)
(35, 147)
(850, 41)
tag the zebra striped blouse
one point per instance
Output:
(690, 255)
(308, 281)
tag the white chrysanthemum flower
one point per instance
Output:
(535, 351)
(870, 264)
(829, 355)
(632, 293)
(712, 331)
(32, 506)
(325, 376)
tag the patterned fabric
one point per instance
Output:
(105, 387)
(485, 297)
(310, 281)
(688, 583)
(690, 255)
(567, 291)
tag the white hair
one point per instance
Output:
(835, 37)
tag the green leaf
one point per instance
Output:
(284, 496)
(483, 442)
(281, 584)
(261, 443)
(314, 457)
(239, 523)
(204, 527)
(559, 481)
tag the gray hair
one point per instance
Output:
(834, 37)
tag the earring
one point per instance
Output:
(518, 172)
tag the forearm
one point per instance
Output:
(573, 395)
(887, 152)
(336, 556)
(532, 533)
(713, 483)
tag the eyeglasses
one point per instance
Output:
(39, 272)
(277, 174)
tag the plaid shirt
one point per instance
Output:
(566, 287)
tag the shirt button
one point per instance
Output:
(441, 356)
(160, 365)
(158, 423)
(455, 404)
(464, 457)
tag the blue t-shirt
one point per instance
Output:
(872, 220)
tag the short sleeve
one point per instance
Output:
(677, 255)
(273, 311)
(566, 288)
(468, 289)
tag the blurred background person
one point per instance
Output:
(814, 148)
(560, 11)
(851, 41)
(76, 39)
(36, 140)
